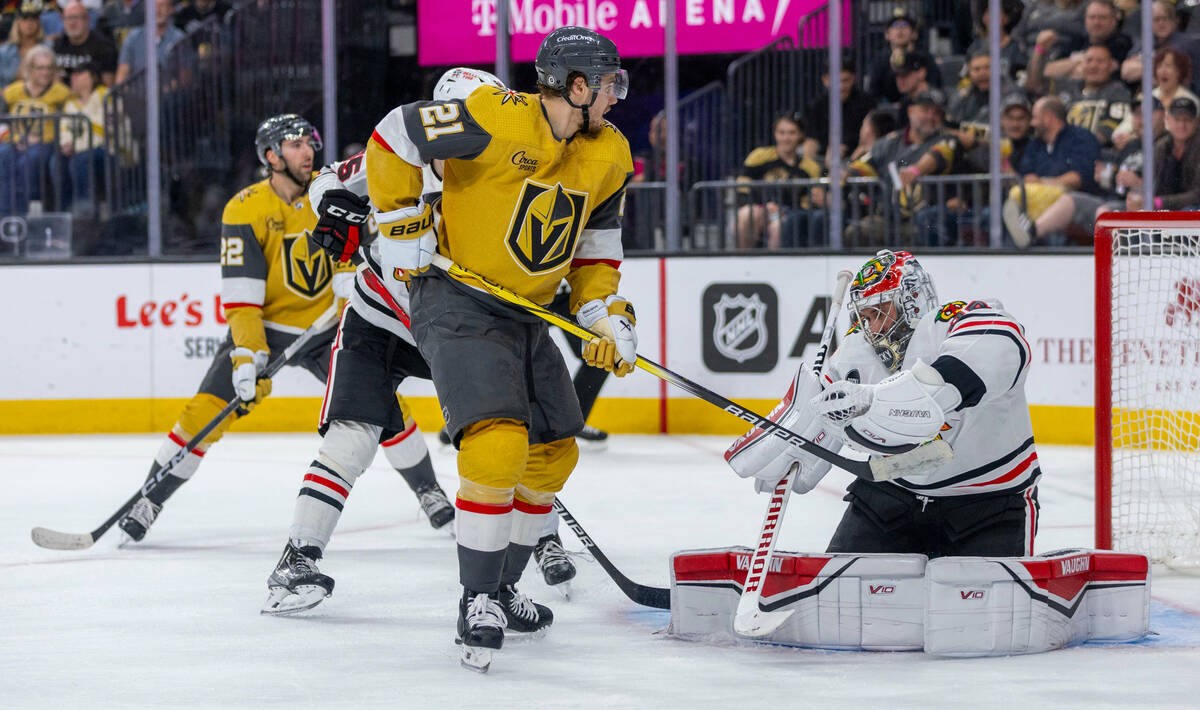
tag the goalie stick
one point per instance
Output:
(751, 619)
(654, 597)
(876, 469)
(55, 540)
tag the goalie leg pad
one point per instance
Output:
(978, 606)
(869, 602)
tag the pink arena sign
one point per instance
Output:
(463, 32)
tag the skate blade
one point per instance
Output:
(593, 446)
(475, 658)
(282, 601)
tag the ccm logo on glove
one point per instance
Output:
(345, 214)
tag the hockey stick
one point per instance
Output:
(55, 540)
(921, 458)
(655, 597)
(750, 619)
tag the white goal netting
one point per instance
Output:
(1155, 356)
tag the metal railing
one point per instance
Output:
(758, 87)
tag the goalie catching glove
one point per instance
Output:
(407, 243)
(767, 458)
(613, 320)
(898, 414)
(246, 366)
(343, 219)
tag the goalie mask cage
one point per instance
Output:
(1147, 404)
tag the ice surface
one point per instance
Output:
(174, 621)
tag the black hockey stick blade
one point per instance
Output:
(55, 540)
(653, 597)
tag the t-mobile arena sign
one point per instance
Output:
(463, 32)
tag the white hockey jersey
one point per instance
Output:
(980, 349)
(369, 298)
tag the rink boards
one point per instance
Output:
(119, 348)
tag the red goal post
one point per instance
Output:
(1147, 384)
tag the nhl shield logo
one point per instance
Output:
(740, 330)
(740, 327)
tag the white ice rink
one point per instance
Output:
(173, 622)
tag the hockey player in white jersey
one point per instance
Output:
(910, 371)
(372, 353)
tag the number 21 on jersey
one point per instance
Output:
(439, 120)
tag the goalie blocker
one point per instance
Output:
(949, 606)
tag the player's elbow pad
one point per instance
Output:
(907, 410)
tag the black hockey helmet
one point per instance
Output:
(275, 130)
(578, 49)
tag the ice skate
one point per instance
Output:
(481, 622)
(592, 438)
(296, 584)
(554, 564)
(140, 517)
(436, 506)
(523, 614)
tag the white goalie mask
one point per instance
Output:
(890, 293)
(459, 82)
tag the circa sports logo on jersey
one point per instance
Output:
(545, 225)
(306, 274)
(740, 327)
(523, 162)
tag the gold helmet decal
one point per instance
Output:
(545, 226)
(304, 273)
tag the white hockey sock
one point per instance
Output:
(171, 446)
(550, 526)
(345, 453)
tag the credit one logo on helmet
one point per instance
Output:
(740, 327)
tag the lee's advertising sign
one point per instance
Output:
(464, 31)
(739, 326)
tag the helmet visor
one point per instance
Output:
(617, 85)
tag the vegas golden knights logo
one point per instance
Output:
(546, 226)
(306, 275)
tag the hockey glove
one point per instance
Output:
(342, 224)
(613, 320)
(767, 458)
(246, 366)
(898, 414)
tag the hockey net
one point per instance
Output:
(1148, 386)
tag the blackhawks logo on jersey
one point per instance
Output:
(306, 274)
(545, 226)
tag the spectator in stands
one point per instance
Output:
(81, 137)
(1172, 74)
(26, 33)
(968, 152)
(1176, 162)
(1099, 101)
(968, 107)
(26, 152)
(1164, 27)
(912, 80)
(901, 37)
(1012, 58)
(888, 158)
(79, 45)
(856, 104)
(652, 167)
(765, 208)
(133, 51)
(118, 17)
(198, 11)
(1064, 17)
(877, 124)
(1102, 20)
(1060, 159)
(1119, 170)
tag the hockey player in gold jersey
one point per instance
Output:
(533, 190)
(274, 285)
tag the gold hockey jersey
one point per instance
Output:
(269, 277)
(19, 102)
(518, 205)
